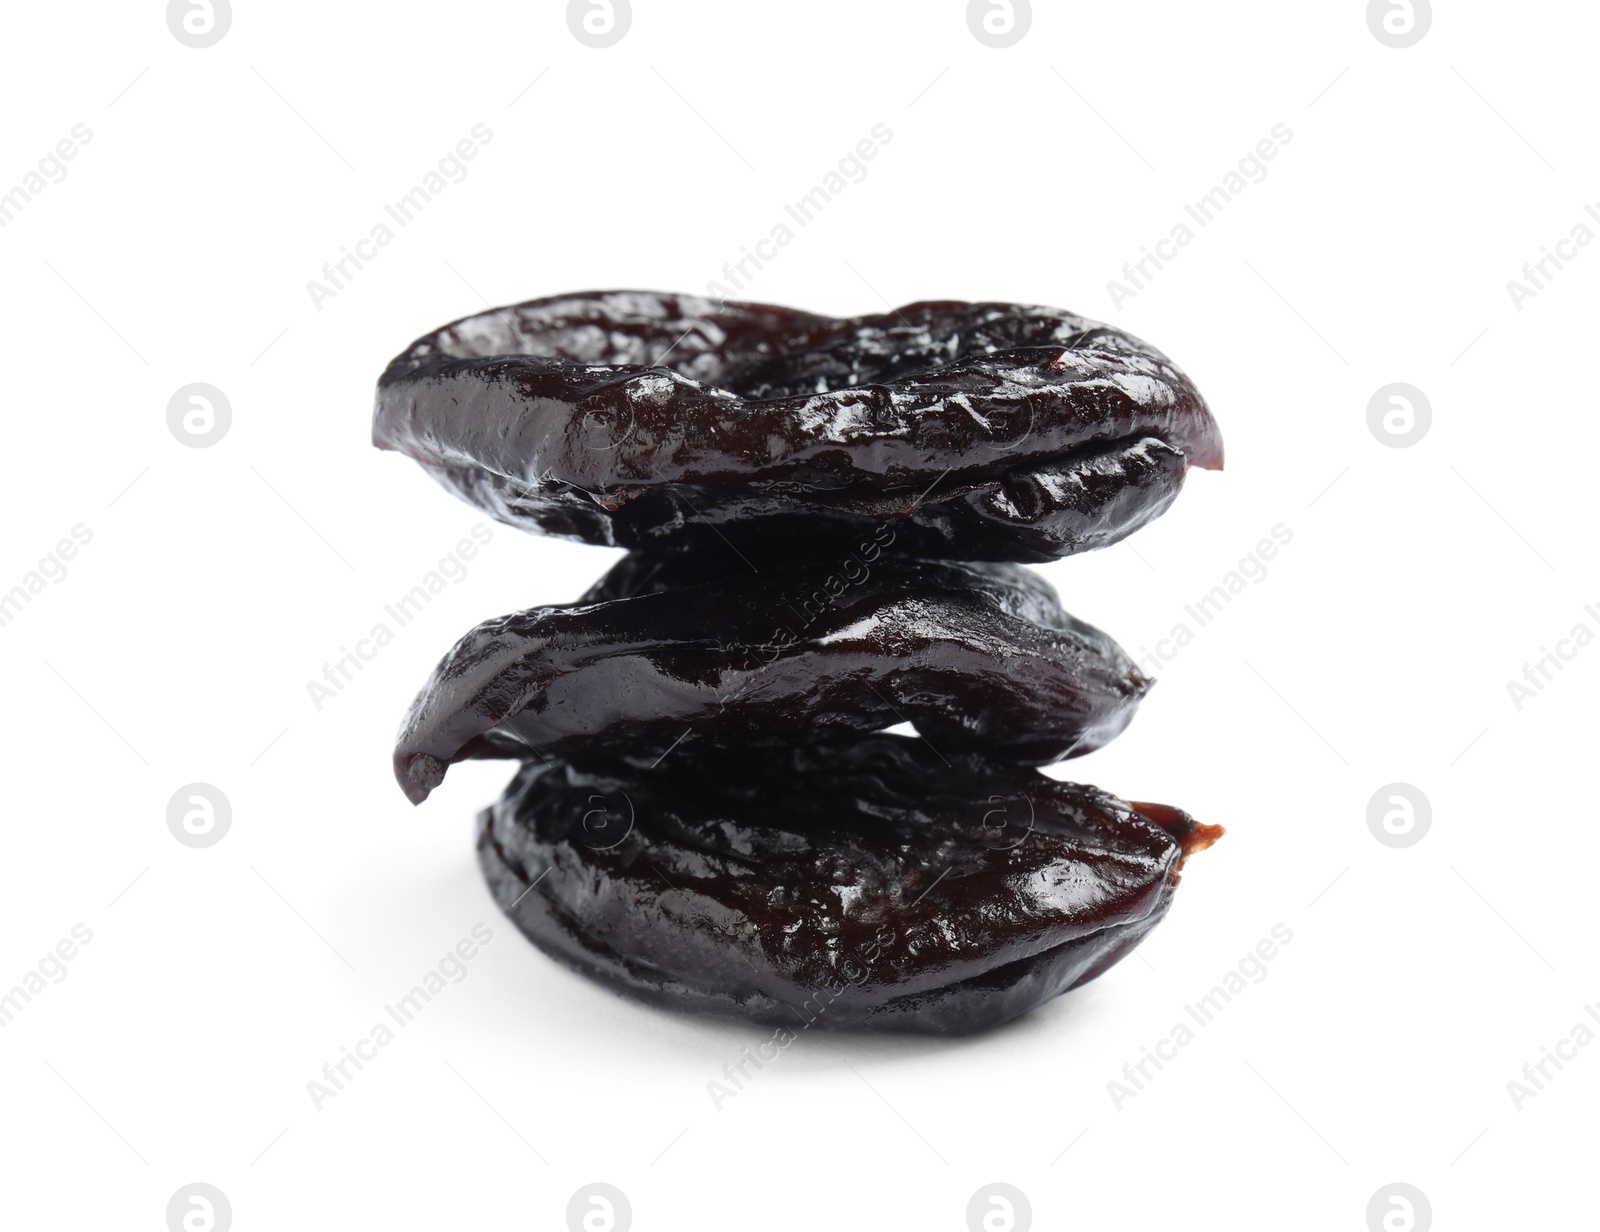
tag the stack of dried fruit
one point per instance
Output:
(710, 815)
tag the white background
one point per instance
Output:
(219, 581)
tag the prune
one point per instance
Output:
(980, 431)
(822, 514)
(977, 656)
(894, 892)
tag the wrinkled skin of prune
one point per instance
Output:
(979, 431)
(978, 656)
(898, 891)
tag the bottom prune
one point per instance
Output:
(866, 886)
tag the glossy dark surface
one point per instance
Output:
(709, 816)
(896, 891)
(977, 656)
(979, 431)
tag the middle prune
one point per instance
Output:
(976, 656)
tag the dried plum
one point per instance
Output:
(895, 892)
(981, 431)
(975, 655)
